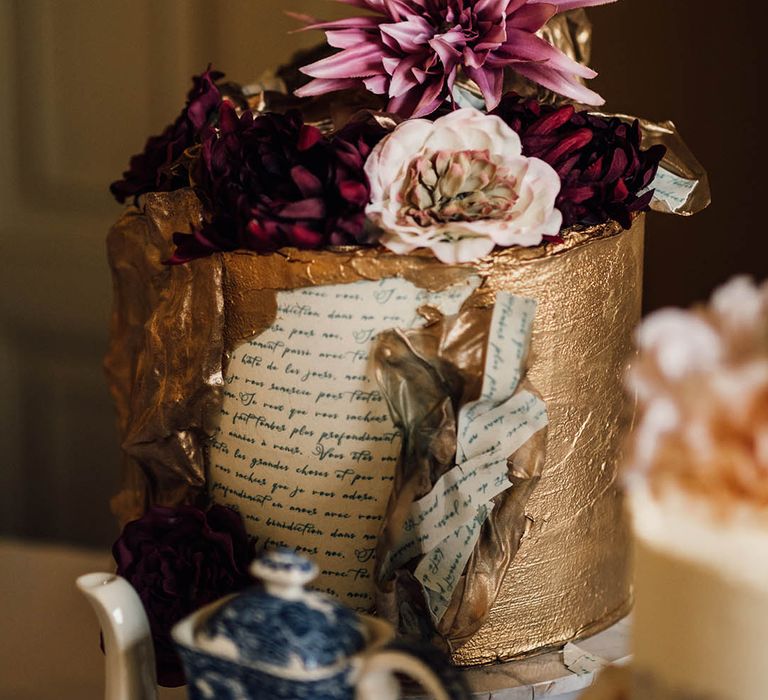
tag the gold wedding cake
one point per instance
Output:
(393, 338)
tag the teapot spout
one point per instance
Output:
(130, 656)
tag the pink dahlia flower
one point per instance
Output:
(460, 186)
(412, 51)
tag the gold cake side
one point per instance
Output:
(570, 576)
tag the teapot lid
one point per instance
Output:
(282, 624)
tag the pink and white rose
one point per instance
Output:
(460, 186)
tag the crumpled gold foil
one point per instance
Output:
(251, 281)
(427, 375)
(680, 161)
(172, 328)
(570, 576)
(165, 354)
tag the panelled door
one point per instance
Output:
(82, 84)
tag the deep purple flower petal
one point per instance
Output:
(302, 236)
(601, 164)
(309, 184)
(179, 559)
(303, 209)
(356, 193)
(271, 181)
(308, 137)
(155, 169)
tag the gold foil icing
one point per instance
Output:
(570, 577)
(172, 328)
(251, 280)
(164, 359)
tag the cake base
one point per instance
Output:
(561, 674)
(613, 684)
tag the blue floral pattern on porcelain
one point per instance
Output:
(213, 678)
(284, 642)
(284, 625)
(284, 633)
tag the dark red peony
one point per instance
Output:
(156, 169)
(179, 559)
(604, 171)
(364, 133)
(271, 181)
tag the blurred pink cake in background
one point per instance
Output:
(698, 495)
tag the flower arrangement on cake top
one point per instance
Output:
(460, 186)
(441, 158)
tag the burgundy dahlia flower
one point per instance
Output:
(412, 51)
(179, 559)
(271, 181)
(363, 133)
(605, 174)
(155, 169)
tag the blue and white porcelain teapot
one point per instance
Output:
(279, 641)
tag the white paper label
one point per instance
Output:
(580, 661)
(306, 449)
(671, 190)
(440, 570)
(508, 341)
(457, 495)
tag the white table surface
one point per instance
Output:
(49, 637)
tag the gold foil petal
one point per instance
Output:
(679, 160)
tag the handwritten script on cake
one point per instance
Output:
(306, 449)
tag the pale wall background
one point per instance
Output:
(83, 82)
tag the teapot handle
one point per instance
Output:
(424, 664)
